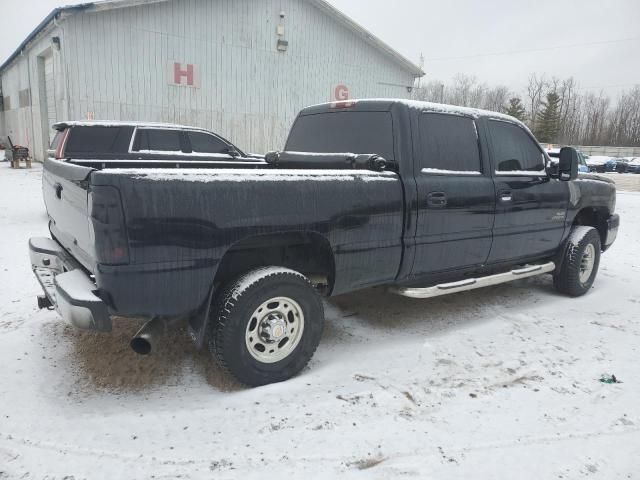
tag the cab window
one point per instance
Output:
(449, 143)
(513, 149)
(206, 143)
(157, 140)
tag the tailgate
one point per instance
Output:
(65, 192)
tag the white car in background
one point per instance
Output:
(634, 165)
(601, 164)
(554, 155)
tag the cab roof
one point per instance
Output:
(385, 104)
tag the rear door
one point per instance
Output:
(456, 200)
(531, 207)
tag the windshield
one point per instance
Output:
(343, 132)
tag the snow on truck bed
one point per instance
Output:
(252, 175)
(496, 383)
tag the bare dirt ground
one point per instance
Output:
(496, 383)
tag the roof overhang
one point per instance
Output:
(320, 4)
(369, 37)
(56, 12)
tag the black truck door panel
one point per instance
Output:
(456, 200)
(531, 207)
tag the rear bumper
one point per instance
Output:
(613, 223)
(69, 289)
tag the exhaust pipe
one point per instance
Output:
(142, 343)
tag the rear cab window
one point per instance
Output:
(343, 132)
(448, 145)
(92, 141)
(95, 141)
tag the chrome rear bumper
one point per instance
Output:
(66, 285)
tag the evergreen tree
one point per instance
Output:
(548, 121)
(516, 109)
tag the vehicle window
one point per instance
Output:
(156, 140)
(97, 139)
(583, 161)
(56, 140)
(205, 143)
(449, 142)
(513, 149)
(343, 132)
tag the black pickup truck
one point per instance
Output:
(423, 199)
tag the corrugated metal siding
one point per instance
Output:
(25, 125)
(49, 92)
(118, 65)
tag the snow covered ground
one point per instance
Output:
(497, 383)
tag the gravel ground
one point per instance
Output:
(626, 182)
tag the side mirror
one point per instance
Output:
(568, 164)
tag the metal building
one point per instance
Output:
(242, 68)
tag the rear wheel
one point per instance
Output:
(581, 262)
(267, 325)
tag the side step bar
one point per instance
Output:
(473, 283)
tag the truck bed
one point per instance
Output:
(179, 223)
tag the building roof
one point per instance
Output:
(321, 4)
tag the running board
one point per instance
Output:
(473, 283)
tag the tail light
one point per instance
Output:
(61, 144)
(343, 104)
(107, 224)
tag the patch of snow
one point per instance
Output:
(528, 173)
(598, 160)
(119, 123)
(258, 274)
(438, 171)
(320, 155)
(183, 161)
(246, 175)
(482, 384)
(434, 107)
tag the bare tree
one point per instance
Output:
(496, 98)
(583, 118)
(536, 91)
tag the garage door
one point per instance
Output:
(50, 90)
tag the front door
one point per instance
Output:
(531, 207)
(456, 199)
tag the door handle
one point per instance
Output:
(58, 189)
(505, 196)
(437, 199)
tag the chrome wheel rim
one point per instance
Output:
(274, 330)
(587, 262)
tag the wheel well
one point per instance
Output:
(594, 217)
(306, 252)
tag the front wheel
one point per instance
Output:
(581, 262)
(267, 325)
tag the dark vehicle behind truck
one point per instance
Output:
(464, 198)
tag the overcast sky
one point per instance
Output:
(496, 38)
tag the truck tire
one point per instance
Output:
(581, 262)
(267, 325)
